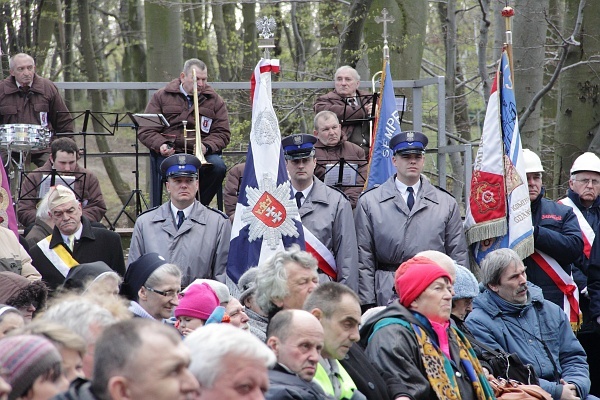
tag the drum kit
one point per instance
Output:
(22, 138)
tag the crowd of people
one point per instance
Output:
(392, 308)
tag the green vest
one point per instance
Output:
(347, 386)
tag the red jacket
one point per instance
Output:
(170, 102)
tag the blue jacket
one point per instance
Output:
(589, 268)
(556, 233)
(522, 328)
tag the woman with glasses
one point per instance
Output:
(152, 285)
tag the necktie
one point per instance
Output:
(352, 101)
(71, 240)
(299, 197)
(25, 88)
(180, 218)
(410, 201)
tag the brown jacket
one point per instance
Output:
(170, 102)
(232, 188)
(17, 107)
(352, 154)
(353, 131)
(93, 204)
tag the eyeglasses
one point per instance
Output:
(585, 182)
(167, 293)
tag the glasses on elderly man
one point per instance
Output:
(585, 182)
(167, 293)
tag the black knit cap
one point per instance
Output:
(138, 273)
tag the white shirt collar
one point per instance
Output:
(402, 187)
(186, 211)
(77, 234)
(305, 192)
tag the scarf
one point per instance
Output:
(439, 369)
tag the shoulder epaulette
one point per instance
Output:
(148, 210)
(443, 190)
(218, 212)
(368, 190)
(339, 191)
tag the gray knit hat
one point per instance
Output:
(247, 284)
(466, 285)
(26, 357)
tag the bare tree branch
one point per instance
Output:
(559, 67)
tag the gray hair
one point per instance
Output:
(327, 296)
(43, 211)
(210, 345)
(280, 325)
(11, 60)
(160, 273)
(193, 62)
(79, 315)
(271, 279)
(325, 114)
(347, 68)
(118, 347)
(495, 263)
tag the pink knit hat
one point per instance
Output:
(418, 275)
(198, 301)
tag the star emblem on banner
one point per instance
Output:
(270, 213)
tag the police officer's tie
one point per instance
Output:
(180, 218)
(299, 197)
(410, 201)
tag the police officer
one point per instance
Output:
(182, 230)
(403, 216)
(325, 212)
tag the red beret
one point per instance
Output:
(419, 273)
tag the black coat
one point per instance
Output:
(286, 386)
(95, 244)
(364, 374)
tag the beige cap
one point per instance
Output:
(60, 195)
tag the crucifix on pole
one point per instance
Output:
(385, 18)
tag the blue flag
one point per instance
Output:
(387, 125)
(266, 216)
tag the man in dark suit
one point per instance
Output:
(73, 241)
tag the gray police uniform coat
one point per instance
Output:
(327, 213)
(389, 234)
(199, 248)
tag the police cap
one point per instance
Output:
(409, 142)
(180, 165)
(298, 146)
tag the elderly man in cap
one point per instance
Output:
(402, 217)
(557, 239)
(73, 241)
(182, 230)
(326, 213)
(258, 318)
(583, 198)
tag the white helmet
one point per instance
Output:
(586, 162)
(532, 162)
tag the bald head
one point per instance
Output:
(296, 337)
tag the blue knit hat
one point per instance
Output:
(466, 285)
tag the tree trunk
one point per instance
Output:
(164, 57)
(134, 53)
(45, 31)
(87, 48)
(350, 49)
(529, 37)
(579, 94)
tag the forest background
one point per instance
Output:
(556, 65)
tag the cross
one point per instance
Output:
(386, 17)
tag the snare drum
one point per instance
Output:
(24, 136)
